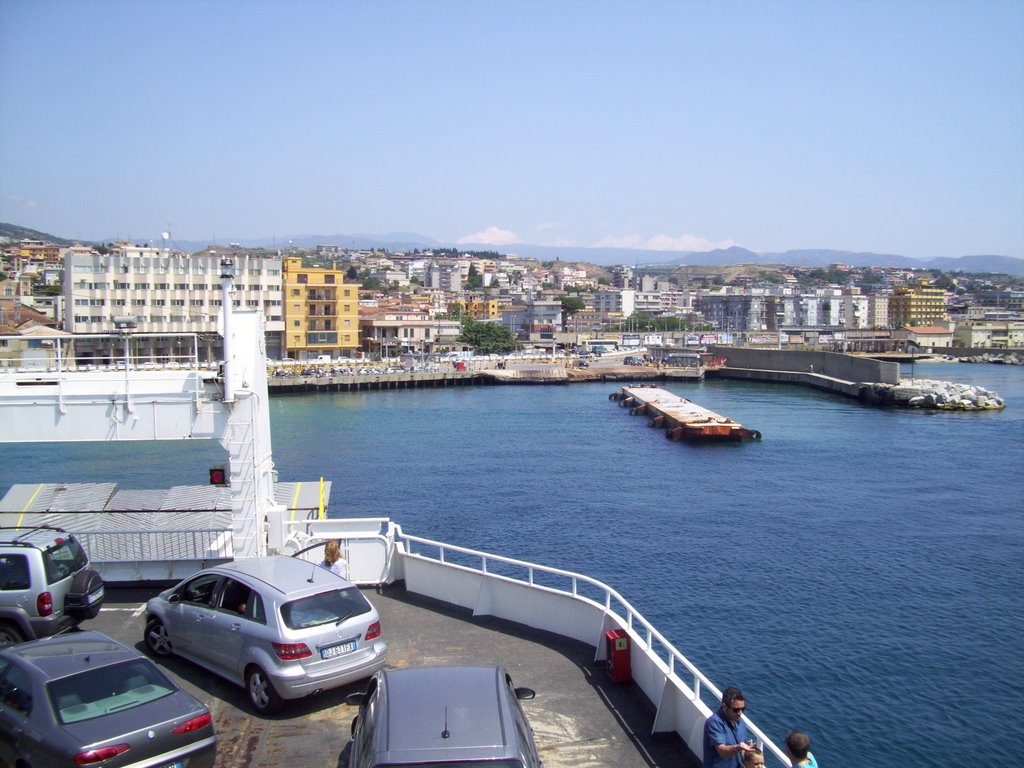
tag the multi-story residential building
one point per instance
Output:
(878, 310)
(321, 312)
(620, 303)
(649, 302)
(1011, 300)
(738, 312)
(394, 331)
(995, 334)
(444, 274)
(478, 309)
(623, 277)
(919, 305)
(167, 292)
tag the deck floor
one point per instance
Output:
(580, 718)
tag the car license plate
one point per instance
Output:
(337, 650)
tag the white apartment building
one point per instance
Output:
(621, 302)
(444, 275)
(167, 292)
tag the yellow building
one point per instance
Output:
(478, 309)
(321, 312)
(919, 305)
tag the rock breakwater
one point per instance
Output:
(1009, 358)
(929, 393)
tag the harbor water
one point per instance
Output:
(859, 572)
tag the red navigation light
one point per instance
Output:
(218, 476)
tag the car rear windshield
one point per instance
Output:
(458, 764)
(100, 691)
(331, 607)
(64, 558)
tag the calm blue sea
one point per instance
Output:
(859, 572)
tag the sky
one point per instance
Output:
(891, 126)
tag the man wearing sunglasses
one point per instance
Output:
(725, 733)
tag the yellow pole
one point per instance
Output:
(321, 515)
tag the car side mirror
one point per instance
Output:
(356, 699)
(525, 693)
(175, 598)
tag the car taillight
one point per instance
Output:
(194, 724)
(373, 631)
(291, 651)
(98, 755)
(44, 604)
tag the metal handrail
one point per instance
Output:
(629, 617)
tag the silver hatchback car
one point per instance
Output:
(280, 627)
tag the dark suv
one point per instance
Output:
(441, 717)
(46, 584)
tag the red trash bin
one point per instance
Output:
(460, 365)
(616, 646)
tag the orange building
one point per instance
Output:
(321, 312)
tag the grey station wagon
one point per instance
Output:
(463, 717)
(280, 627)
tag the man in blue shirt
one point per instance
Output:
(725, 733)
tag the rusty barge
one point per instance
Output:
(680, 418)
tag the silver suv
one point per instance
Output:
(281, 627)
(46, 584)
(441, 717)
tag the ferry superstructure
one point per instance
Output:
(47, 393)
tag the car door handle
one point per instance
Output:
(236, 627)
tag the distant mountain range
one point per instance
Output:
(408, 241)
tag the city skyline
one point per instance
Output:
(890, 128)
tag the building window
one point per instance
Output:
(296, 292)
(329, 279)
(302, 278)
(296, 323)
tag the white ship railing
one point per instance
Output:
(682, 695)
(101, 352)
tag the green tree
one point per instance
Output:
(475, 280)
(487, 338)
(570, 306)
(352, 274)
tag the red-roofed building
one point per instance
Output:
(928, 337)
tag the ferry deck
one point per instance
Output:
(581, 719)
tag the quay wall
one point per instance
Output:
(828, 365)
(356, 382)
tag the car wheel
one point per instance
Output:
(9, 634)
(157, 639)
(261, 691)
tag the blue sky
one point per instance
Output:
(894, 127)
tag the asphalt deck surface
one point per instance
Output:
(580, 718)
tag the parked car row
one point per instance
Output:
(279, 627)
(366, 370)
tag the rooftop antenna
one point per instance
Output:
(445, 733)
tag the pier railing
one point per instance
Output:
(572, 605)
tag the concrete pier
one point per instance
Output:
(681, 419)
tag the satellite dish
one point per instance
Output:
(165, 235)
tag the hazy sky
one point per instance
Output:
(887, 126)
